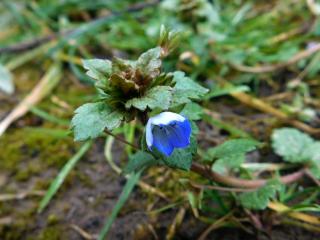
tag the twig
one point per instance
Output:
(254, 219)
(310, 175)
(213, 226)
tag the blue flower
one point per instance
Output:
(167, 131)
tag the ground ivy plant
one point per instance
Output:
(140, 89)
(165, 103)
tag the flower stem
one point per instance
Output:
(122, 140)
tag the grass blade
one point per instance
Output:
(57, 182)
(41, 90)
(131, 182)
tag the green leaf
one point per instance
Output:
(260, 198)
(57, 182)
(312, 154)
(149, 62)
(186, 89)
(6, 83)
(98, 69)
(230, 154)
(156, 97)
(315, 171)
(91, 119)
(192, 111)
(131, 182)
(290, 144)
(181, 158)
(138, 161)
(168, 40)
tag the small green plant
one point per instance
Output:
(164, 104)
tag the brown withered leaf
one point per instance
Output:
(122, 83)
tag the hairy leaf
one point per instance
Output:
(260, 198)
(290, 144)
(156, 97)
(99, 69)
(312, 154)
(91, 119)
(149, 62)
(192, 111)
(181, 158)
(230, 154)
(186, 89)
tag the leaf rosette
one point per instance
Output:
(131, 88)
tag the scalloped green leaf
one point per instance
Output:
(312, 154)
(290, 144)
(99, 69)
(156, 97)
(150, 62)
(185, 89)
(260, 198)
(230, 154)
(181, 158)
(192, 111)
(91, 119)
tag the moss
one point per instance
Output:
(30, 170)
(54, 232)
(52, 219)
(25, 152)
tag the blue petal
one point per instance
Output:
(179, 133)
(161, 141)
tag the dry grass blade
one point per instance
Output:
(45, 85)
(283, 209)
(176, 223)
(265, 107)
(19, 196)
(82, 233)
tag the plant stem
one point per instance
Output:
(242, 183)
(122, 140)
(206, 172)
